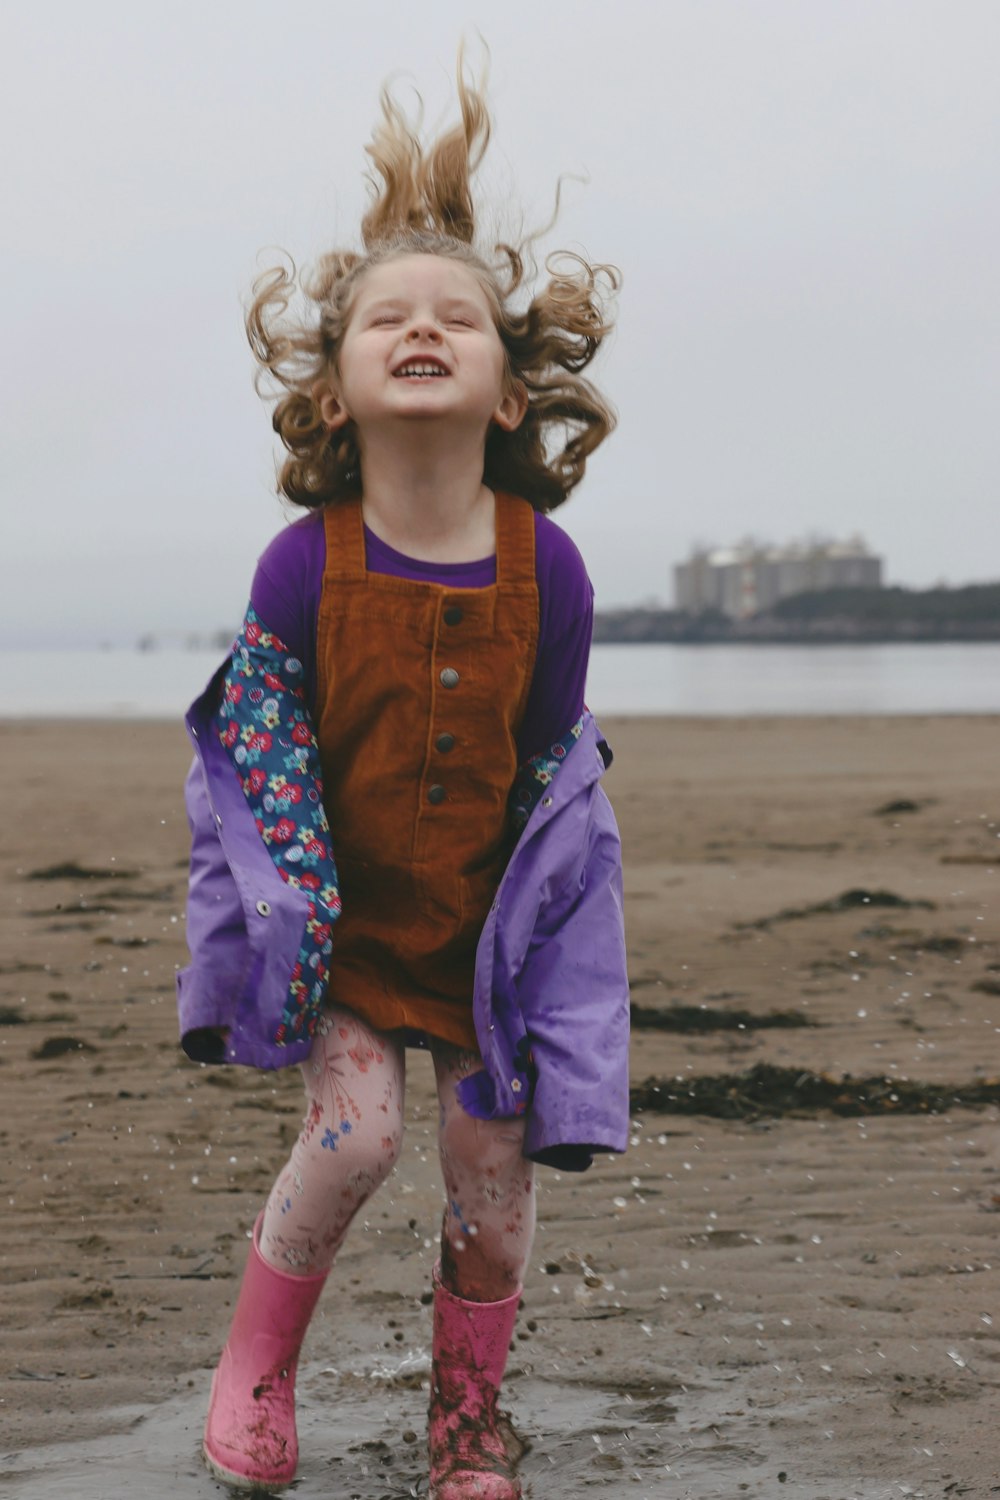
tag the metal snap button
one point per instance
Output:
(453, 615)
(546, 801)
(263, 908)
(449, 678)
(515, 1084)
(444, 743)
(436, 794)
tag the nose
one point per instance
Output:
(421, 330)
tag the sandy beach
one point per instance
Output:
(787, 1287)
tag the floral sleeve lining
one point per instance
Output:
(536, 774)
(264, 724)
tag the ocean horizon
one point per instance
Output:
(648, 679)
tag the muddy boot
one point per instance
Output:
(250, 1438)
(471, 1455)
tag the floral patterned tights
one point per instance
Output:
(350, 1141)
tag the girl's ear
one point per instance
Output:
(512, 406)
(333, 412)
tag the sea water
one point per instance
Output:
(721, 680)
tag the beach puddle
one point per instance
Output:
(362, 1437)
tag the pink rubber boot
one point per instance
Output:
(250, 1438)
(469, 1457)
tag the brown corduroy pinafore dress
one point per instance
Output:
(421, 689)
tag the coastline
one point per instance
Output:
(802, 1292)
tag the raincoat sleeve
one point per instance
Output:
(551, 999)
(216, 931)
(574, 996)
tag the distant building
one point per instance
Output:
(745, 579)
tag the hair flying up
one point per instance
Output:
(422, 203)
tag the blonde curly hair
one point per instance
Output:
(421, 204)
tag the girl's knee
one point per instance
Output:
(485, 1148)
(376, 1155)
(345, 1160)
(354, 1084)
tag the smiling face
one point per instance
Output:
(421, 345)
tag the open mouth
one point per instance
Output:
(420, 369)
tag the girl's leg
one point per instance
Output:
(489, 1225)
(489, 1221)
(349, 1142)
(348, 1145)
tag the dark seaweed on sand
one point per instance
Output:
(695, 1018)
(767, 1092)
(846, 901)
(60, 1046)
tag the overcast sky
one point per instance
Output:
(803, 196)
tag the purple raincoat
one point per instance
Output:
(550, 1001)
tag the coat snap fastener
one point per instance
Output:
(444, 743)
(436, 794)
(449, 678)
(546, 801)
(453, 615)
(515, 1084)
(218, 821)
(263, 908)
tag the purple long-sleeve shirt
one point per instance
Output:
(288, 584)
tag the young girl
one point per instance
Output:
(399, 837)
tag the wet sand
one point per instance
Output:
(767, 1298)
